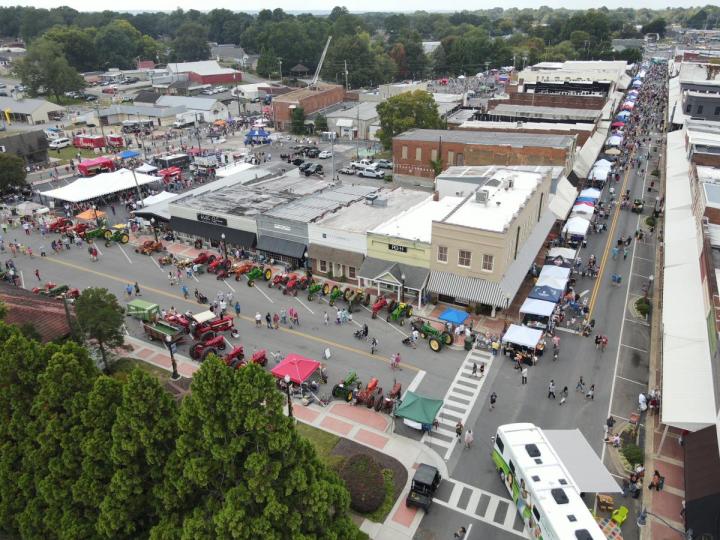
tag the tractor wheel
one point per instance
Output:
(124, 238)
(237, 277)
(227, 264)
(326, 289)
(205, 336)
(267, 274)
(435, 344)
(207, 352)
(107, 234)
(348, 396)
(402, 321)
(211, 259)
(222, 346)
(409, 311)
(370, 402)
(251, 282)
(107, 243)
(347, 293)
(193, 353)
(447, 338)
(378, 404)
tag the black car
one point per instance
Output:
(297, 161)
(426, 480)
(312, 152)
(314, 168)
(90, 97)
(305, 166)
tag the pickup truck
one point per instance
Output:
(362, 164)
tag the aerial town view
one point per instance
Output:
(377, 271)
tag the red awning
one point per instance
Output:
(298, 367)
(170, 171)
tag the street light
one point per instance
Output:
(224, 245)
(97, 219)
(642, 520)
(171, 347)
(287, 392)
(305, 259)
(402, 287)
(154, 228)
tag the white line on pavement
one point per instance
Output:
(195, 278)
(126, 255)
(229, 286)
(633, 348)
(258, 289)
(156, 264)
(98, 249)
(303, 305)
(389, 324)
(22, 280)
(416, 381)
(467, 531)
(632, 381)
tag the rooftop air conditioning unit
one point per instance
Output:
(371, 198)
(482, 196)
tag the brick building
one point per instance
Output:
(206, 72)
(310, 100)
(551, 100)
(414, 150)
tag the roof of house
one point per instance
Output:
(204, 67)
(415, 223)
(146, 96)
(192, 103)
(536, 111)
(26, 105)
(46, 315)
(365, 111)
(142, 110)
(228, 50)
(313, 207)
(489, 138)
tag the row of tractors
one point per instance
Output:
(89, 231)
(350, 389)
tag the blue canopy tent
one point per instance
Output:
(454, 316)
(257, 136)
(127, 154)
(637, 84)
(586, 199)
(623, 114)
(548, 294)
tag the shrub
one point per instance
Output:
(642, 305)
(365, 482)
(650, 221)
(655, 173)
(633, 453)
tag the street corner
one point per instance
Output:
(361, 415)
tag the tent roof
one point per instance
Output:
(299, 68)
(522, 335)
(418, 408)
(544, 292)
(454, 316)
(553, 271)
(591, 193)
(576, 225)
(125, 154)
(542, 308)
(565, 253)
(85, 189)
(154, 199)
(90, 214)
(552, 281)
(298, 367)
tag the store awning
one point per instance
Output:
(587, 155)
(466, 288)
(562, 199)
(297, 367)
(85, 189)
(518, 269)
(288, 248)
(581, 461)
(159, 197)
(192, 227)
(541, 308)
(522, 335)
(702, 480)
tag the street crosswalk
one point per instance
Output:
(458, 403)
(482, 505)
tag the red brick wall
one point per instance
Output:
(710, 160)
(550, 100)
(582, 135)
(472, 155)
(310, 104)
(222, 78)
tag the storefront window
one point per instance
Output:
(351, 272)
(322, 265)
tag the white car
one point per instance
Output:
(325, 154)
(57, 144)
(370, 172)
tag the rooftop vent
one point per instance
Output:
(371, 198)
(482, 196)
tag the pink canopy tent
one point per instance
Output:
(617, 124)
(298, 367)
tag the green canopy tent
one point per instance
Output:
(418, 411)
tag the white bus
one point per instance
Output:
(544, 492)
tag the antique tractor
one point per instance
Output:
(257, 272)
(236, 357)
(117, 234)
(379, 304)
(333, 293)
(148, 247)
(294, 283)
(212, 344)
(355, 297)
(387, 403)
(369, 394)
(279, 280)
(167, 259)
(399, 312)
(240, 268)
(344, 389)
(178, 319)
(436, 338)
(219, 264)
(201, 327)
(314, 288)
(60, 225)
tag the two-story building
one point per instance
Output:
(310, 100)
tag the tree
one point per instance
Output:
(190, 43)
(12, 171)
(240, 470)
(406, 111)
(45, 68)
(77, 44)
(297, 121)
(118, 44)
(143, 437)
(321, 123)
(100, 317)
(656, 26)
(267, 63)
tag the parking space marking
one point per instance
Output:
(98, 249)
(633, 348)
(258, 289)
(632, 381)
(303, 305)
(388, 323)
(195, 278)
(156, 264)
(416, 381)
(126, 255)
(229, 286)
(22, 280)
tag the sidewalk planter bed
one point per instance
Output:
(633, 454)
(650, 221)
(365, 482)
(642, 306)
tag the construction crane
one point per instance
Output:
(313, 83)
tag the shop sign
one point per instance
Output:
(212, 220)
(394, 247)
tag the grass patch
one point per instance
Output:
(64, 100)
(70, 152)
(323, 442)
(122, 367)
(379, 515)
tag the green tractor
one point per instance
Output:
(258, 272)
(333, 293)
(436, 338)
(120, 236)
(355, 297)
(344, 389)
(399, 312)
(313, 289)
(96, 233)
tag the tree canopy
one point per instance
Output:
(45, 69)
(190, 43)
(100, 318)
(406, 111)
(12, 171)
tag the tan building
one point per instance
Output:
(483, 249)
(310, 100)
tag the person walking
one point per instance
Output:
(129, 290)
(563, 395)
(373, 345)
(580, 386)
(137, 289)
(469, 438)
(171, 278)
(237, 309)
(258, 320)
(276, 321)
(474, 370)
(551, 389)
(493, 400)
(185, 291)
(591, 392)
(268, 320)
(326, 318)
(458, 429)
(37, 274)
(523, 375)
(482, 369)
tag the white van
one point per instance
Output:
(60, 142)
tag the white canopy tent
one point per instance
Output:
(576, 226)
(537, 307)
(557, 283)
(146, 169)
(614, 140)
(599, 174)
(159, 197)
(552, 271)
(565, 253)
(603, 164)
(85, 189)
(591, 193)
(582, 210)
(523, 336)
(29, 208)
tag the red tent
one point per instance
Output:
(617, 124)
(89, 167)
(298, 367)
(170, 173)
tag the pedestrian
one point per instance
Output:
(258, 320)
(580, 386)
(493, 400)
(373, 345)
(37, 274)
(615, 252)
(276, 321)
(237, 309)
(523, 375)
(415, 337)
(591, 392)
(556, 342)
(551, 389)
(326, 318)
(137, 289)
(184, 290)
(474, 370)
(598, 339)
(625, 253)
(563, 395)
(458, 429)
(129, 290)
(469, 438)
(460, 533)
(283, 316)
(171, 278)
(268, 320)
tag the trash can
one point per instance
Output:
(469, 343)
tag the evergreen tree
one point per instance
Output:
(101, 318)
(267, 63)
(297, 121)
(143, 437)
(321, 123)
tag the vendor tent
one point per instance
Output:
(146, 169)
(576, 226)
(614, 140)
(297, 367)
(154, 199)
(599, 174)
(87, 215)
(85, 189)
(613, 152)
(622, 114)
(582, 210)
(591, 193)
(537, 307)
(523, 336)
(586, 201)
(554, 282)
(418, 409)
(454, 316)
(127, 154)
(561, 257)
(29, 208)
(546, 293)
(551, 270)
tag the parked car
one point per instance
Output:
(60, 142)
(384, 164)
(369, 172)
(90, 97)
(314, 168)
(305, 165)
(312, 152)
(325, 154)
(298, 161)
(362, 164)
(347, 170)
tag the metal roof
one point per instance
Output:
(367, 111)
(141, 110)
(197, 103)
(489, 138)
(312, 207)
(536, 111)
(26, 105)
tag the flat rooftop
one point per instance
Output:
(490, 125)
(536, 111)
(361, 216)
(416, 223)
(488, 138)
(312, 207)
(302, 93)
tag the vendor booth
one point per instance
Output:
(130, 154)
(86, 189)
(297, 367)
(29, 208)
(575, 230)
(171, 174)
(591, 193)
(91, 167)
(536, 313)
(257, 136)
(146, 169)
(614, 140)
(560, 256)
(417, 411)
(522, 343)
(582, 210)
(454, 316)
(546, 293)
(550, 271)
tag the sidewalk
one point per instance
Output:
(160, 357)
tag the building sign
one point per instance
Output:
(393, 247)
(212, 220)
(282, 227)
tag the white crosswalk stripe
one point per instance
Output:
(482, 505)
(458, 402)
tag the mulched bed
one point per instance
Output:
(347, 448)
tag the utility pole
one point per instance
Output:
(197, 131)
(347, 87)
(357, 134)
(279, 60)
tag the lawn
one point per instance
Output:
(121, 368)
(323, 442)
(70, 152)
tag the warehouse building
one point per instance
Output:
(29, 111)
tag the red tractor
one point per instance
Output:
(211, 344)
(207, 322)
(204, 258)
(279, 280)
(236, 357)
(79, 229)
(294, 283)
(240, 268)
(47, 287)
(367, 395)
(219, 264)
(387, 403)
(60, 224)
(380, 303)
(178, 319)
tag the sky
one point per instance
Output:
(352, 5)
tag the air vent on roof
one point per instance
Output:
(563, 482)
(482, 196)
(583, 534)
(370, 198)
(571, 518)
(559, 495)
(538, 461)
(535, 478)
(532, 450)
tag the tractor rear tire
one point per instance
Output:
(251, 282)
(447, 338)
(435, 344)
(326, 289)
(222, 346)
(124, 239)
(206, 352)
(348, 396)
(107, 234)
(207, 335)
(193, 353)
(347, 293)
(379, 404)
(267, 274)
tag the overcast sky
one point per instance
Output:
(352, 5)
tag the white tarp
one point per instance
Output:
(591, 193)
(85, 189)
(522, 335)
(563, 198)
(599, 174)
(582, 210)
(577, 226)
(566, 253)
(537, 307)
(550, 270)
(603, 164)
(146, 169)
(581, 461)
(557, 283)
(29, 208)
(159, 197)
(614, 140)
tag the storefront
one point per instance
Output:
(211, 228)
(396, 281)
(280, 249)
(335, 263)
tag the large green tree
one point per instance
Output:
(78, 45)
(100, 318)
(143, 437)
(45, 69)
(191, 43)
(12, 171)
(656, 26)
(406, 111)
(240, 470)
(267, 64)
(297, 121)
(117, 44)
